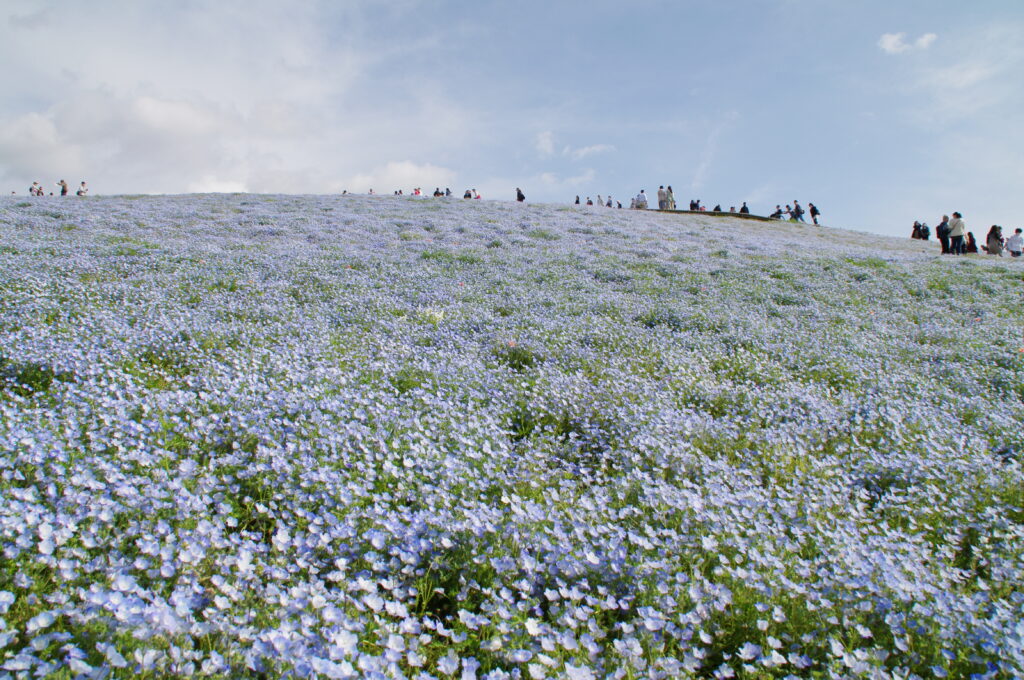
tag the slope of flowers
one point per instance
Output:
(266, 436)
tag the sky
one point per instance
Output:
(880, 112)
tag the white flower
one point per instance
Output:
(396, 643)
(749, 651)
(578, 672)
(7, 598)
(449, 663)
(40, 621)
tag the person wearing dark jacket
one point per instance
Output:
(797, 214)
(942, 233)
(744, 210)
(814, 212)
(972, 245)
(520, 196)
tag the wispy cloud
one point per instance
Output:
(579, 154)
(545, 143)
(895, 43)
(710, 151)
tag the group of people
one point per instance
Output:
(956, 240)
(417, 191)
(37, 189)
(608, 204)
(667, 201)
(795, 213)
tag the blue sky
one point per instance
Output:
(880, 112)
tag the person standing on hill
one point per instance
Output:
(942, 233)
(670, 197)
(63, 187)
(814, 213)
(577, 200)
(520, 196)
(957, 231)
(662, 198)
(744, 210)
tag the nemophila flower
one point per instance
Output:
(749, 651)
(252, 419)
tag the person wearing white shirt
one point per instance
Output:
(641, 200)
(1015, 244)
(957, 229)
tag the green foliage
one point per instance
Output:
(448, 257)
(654, 318)
(30, 378)
(543, 234)
(409, 378)
(516, 356)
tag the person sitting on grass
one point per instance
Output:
(972, 245)
(994, 241)
(1015, 244)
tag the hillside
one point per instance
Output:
(385, 437)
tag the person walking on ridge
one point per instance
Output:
(814, 213)
(798, 212)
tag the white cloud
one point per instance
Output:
(579, 154)
(895, 43)
(235, 95)
(710, 151)
(214, 185)
(545, 143)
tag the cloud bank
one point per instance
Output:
(191, 98)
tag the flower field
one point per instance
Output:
(384, 437)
